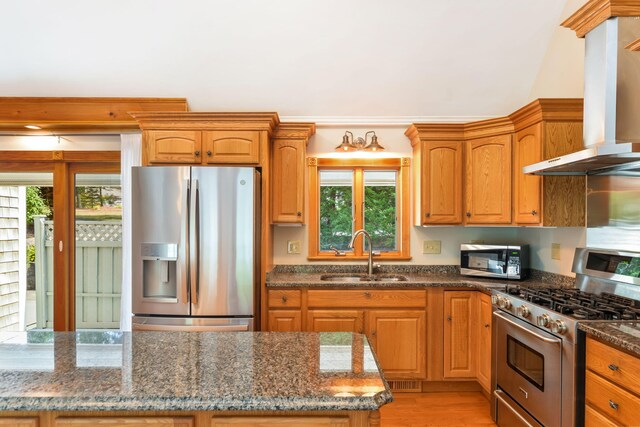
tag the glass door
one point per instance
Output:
(26, 250)
(98, 249)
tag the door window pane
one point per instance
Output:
(380, 210)
(26, 251)
(336, 209)
(98, 273)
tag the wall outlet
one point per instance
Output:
(431, 246)
(293, 246)
(555, 251)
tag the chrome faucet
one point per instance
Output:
(368, 236)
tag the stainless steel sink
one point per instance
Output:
(363, 278)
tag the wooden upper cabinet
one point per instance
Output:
(546, 129)
(528, 188)
(288, 168)
(231, 146)
(205, 138)
(173, 146)
(438, 172)
(460, 317)
(488, 180)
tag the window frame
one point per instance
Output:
(401, 165)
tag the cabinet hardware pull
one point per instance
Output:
(428, 215)
(373, 333)
(534, 212)
(449, 318)
(367, 294)
(613, 405)
(209, 153)
(613, 367)
(284, 298)
(197, 153)
(299, 213)
(487, 325)
(468, 214)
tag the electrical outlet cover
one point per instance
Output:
(293, 246)
(555, 251)
(431, 246)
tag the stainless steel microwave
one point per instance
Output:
(499, 261)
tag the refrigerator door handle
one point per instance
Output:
(194, 216)
(184, 244)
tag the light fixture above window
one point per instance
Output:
(359, 143)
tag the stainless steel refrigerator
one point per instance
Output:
(195, 247)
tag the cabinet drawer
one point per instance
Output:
(614, 365)
(19, 422)
(116, 421)
(367, 298)
(593, 418)
(284, 298)
(267, 421)
(611, 400)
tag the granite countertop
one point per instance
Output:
(625, 335)
(189, 371)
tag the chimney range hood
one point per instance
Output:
(611, 134)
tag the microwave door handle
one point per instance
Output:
(184, 244)
(505, 263)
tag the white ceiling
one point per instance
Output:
(298, 57)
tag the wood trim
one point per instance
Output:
(595, 12)
(491, 127)
(27, 156)
(62, 287)
(295, 131)
(418, 132)
(79, 114)
(206, 121)
(634, 46)
(548, 109)
(402, 165)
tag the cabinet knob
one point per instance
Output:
(284, 298)
(373, 333)
(487, 325)
(468, 214)
(449, 318)
(367, 294)
(197, 153)
(428, 215)
(613, 367)
(209, 153)
(534, 212)
(613, 405)
(299, 213)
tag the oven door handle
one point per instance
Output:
(522, 328)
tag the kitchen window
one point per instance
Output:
(351, 194)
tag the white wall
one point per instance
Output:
(398, 145)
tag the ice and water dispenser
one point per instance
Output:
(159, 271)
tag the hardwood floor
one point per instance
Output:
(469, 409)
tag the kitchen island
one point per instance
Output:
(189, 379)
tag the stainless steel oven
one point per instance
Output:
(529, 368)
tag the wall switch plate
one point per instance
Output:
(431, 246)
(555, 251)
(293, 246)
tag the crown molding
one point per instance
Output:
(298, 130)
(595, 12)
(379, 121)
(205, 120)
(548, 109)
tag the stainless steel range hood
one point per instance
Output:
(611, 133)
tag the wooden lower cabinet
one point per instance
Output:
(459, 334)
(484, 344)
(285, 321)
(335, 321)
(19, 422)
(399, 339)
(280, 421)
(124, 421)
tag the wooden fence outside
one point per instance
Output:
(98, 273)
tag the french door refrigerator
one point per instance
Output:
(195, 253)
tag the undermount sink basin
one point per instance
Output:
(363, 278)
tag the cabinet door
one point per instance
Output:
(232, 146)
(173, 146)
(484, 346)
(398, 338)
(124, 421)
(285, 321)
(459, 336)
(335, 321)
(287, 193)
(528, 188)
(442, 183)
(488, 180)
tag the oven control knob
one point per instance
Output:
(543, 320)
(504, 303)
(558, 327)
(523, 311)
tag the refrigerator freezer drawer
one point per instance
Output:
(192, 324)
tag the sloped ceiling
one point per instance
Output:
(418, 58)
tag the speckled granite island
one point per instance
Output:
(189, 379)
